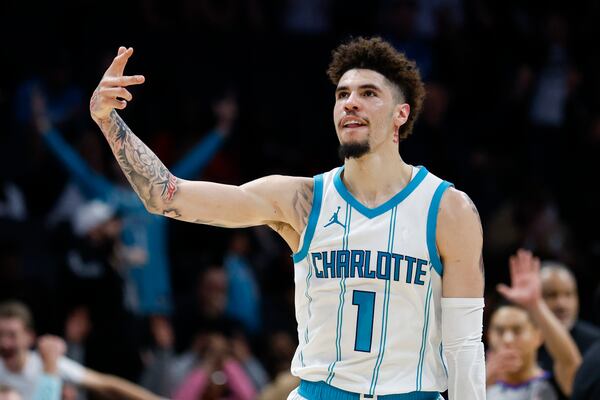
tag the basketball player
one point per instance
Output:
(388, 266)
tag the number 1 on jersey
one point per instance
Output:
(364, 321)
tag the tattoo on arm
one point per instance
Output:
(148, 176)
(302, 203)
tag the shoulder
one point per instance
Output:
(585, 331)
(456, 204)
(457, 214)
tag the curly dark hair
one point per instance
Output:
(378, 55)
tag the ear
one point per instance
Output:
(401, 112)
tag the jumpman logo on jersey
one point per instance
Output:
(334, 220)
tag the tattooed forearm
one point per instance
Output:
(148, 176)
(302, 203)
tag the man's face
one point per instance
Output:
(367, 110)
(560, 293)
(512, 330)
(14, 339)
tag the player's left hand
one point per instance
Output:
(526, 286)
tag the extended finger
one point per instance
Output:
(115, 92)
(111, 81)
(117, 66)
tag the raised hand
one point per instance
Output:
(111, 92)
(51, 348)
(526, 286)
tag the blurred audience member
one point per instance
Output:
(517, 331)
(218, 376)
(587, 380)
(165, 371)
(78, 327)
(559, 289)
(23, 369)
(159, 358)
(243, 296)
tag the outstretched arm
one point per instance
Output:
(460, 239)
(116, 386)
(275, 200)
(526, 290)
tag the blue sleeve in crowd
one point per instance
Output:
(92, 184)
(199, 156)
(49, 387)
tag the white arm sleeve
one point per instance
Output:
(462, 327)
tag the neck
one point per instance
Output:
(375, 177)
(17, 363)
(529, 371)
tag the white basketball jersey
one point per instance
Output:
(368, 290)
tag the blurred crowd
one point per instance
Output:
(235, 90)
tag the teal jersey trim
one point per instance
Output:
(425, 334)
(312, 219)
(432, 215)
(386, 303)
(309, 298)
(322, 391)
(385, 207)
(340, 319)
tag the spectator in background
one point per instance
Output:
(559, 289)
(51, 348)
(218, 375)
(166, 371)
(78, 326)
(587, 380)
(23, 369)
(148, 289)
(243, 296)
(517, 331)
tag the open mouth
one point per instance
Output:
(352, 122)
